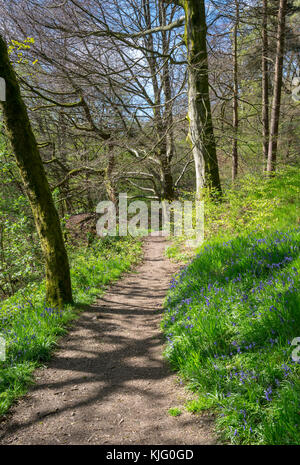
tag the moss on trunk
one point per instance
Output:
(24, 145)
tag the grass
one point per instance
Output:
(251, 204)
(174, 412)
(31, 329)
(232, 314)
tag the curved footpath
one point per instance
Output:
(108, 382)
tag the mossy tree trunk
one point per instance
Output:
(24, 145)
(201, 132)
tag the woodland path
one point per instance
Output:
(108, 383)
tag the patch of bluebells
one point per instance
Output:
(247, 295)
(20, 325)
(268, 394)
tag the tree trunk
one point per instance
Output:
(163, 119)
(24, 145)
(235, 119)
(108, 182)
(166, 178)
(265, 83)
(168, 183)
(66, 205)
(274, 125)
(201, 132)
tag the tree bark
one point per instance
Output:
(108, 182)
(24, 145)
(169, 192)
(163, 121)
(235, 119)
(274, 125)
(265, 83)
(201, 134)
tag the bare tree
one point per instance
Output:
(131, 72)
(277, 87)
(265, 82)
(235, 92)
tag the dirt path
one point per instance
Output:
(108, 382)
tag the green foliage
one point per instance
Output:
(203, 402)
(174, 412)
(175, 253)
(19, 53)
(252, 204)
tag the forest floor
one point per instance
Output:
(108, 383)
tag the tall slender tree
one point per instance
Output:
(24, 145)
(235, 116)
(275, 113)
(265, 82)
